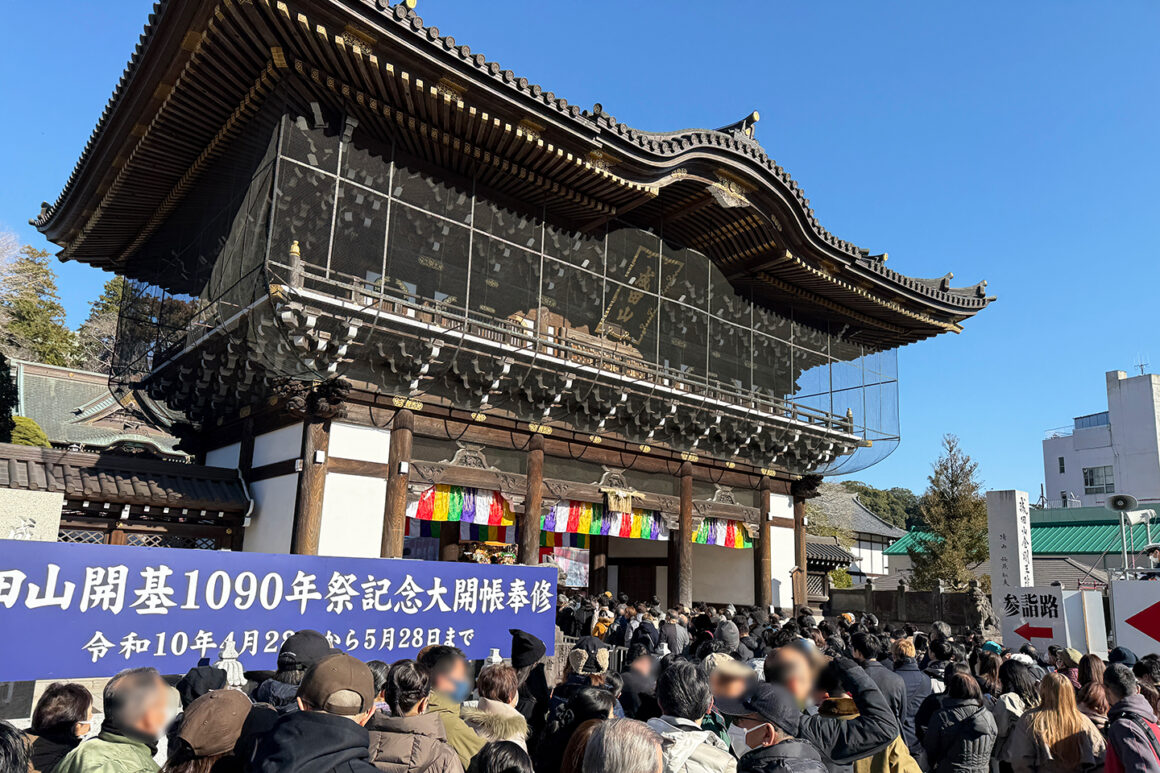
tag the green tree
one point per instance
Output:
(8, 400)
(897, 506)
(955, 513)
(32, 319)
(28, 433)
(96, 335)
(840, 578)
(821, 524)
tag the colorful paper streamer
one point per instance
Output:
(724, 532)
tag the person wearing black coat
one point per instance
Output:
(646, 635)
(962, 733)
(917, 689)
(866, 648)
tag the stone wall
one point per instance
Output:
(959, 609)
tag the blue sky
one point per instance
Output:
(1016, 142)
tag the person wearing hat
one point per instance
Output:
(336, 698)
(210, 728)
(840, 741)
(298, 653)
(766, 719)
(1068, 660)
(535, 695)
(1123, 656)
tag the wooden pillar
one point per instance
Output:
(449, 541)
(311, 486)
(762, 562)
(681, 543)
(597, 564)
(529, 540)
(398, 470)
(800, 594)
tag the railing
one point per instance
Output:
(526, 335)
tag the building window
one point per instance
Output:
(1062, 466)
(1092, 420)
(1098, 480)
(1063, 498)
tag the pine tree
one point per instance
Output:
(955, 512)
(8, 400)
(96, 336)
(32, 319)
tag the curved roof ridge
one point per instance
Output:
(895, 531)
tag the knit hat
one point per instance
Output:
(213, 722)
(228, 662)
(1122, 655)
(727, 665)
(589, 656)
(1069, 657)
(993, 646)
(198, 682)
(526, 648)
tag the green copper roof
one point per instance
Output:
(1067, 535)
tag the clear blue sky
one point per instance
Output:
(1016, 142)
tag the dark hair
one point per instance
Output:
(1147, 667)
(1119, 679)
(941, 649)
(497, 682)
(407, 684)
(964, 687)
(1091, 669)
(13, 749)
(987, 672)
(939, 630)
(1095, 697)
(635, 652)
(953, 668)
(1016, 677)
(60, 708)
(439, 660)
(573, 761)
(126, 695)
(1152, 695)
(785, 637)
(683, 691)
(614, 683)
(500, 757)
(183, 760)
(379, 671)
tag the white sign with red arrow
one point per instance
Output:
(1032, 615)
(1136, 615)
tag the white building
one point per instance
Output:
(1114, 451)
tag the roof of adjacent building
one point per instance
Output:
(843, 508)
(722, 192)
(1065, 531)
(826, 552)
(1070, 572)
(75, 407)
(120, 479)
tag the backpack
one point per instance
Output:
(1151, 731)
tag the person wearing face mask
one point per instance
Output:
(766, 720)
(410, 739)
(63, 716)
(447, 669)
(136, 713)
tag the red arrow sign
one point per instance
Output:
(1147, 621)
(1028, 632)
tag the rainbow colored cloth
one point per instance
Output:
(724, 532)
(572, 517)
(466, 505)
(473, 532)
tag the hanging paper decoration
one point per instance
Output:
(553, 539)
(468, 532)
(466, 505)
(724, 532)
(572, 517)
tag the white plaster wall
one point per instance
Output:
(352, 516)
(366, 444)
(1133, 406)
(226, 456)
(781, 561)
(285, 443)
(272, 522)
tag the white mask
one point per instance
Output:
(737, 736)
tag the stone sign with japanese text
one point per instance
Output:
(30, 515)
(92, 610)
(1009, 531)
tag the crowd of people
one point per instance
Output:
(698, 690)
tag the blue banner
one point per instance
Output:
(71, 611)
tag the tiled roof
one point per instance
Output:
(1064, 538)
(826, 550)
(843, 509)
(122, 479)
(1070, 572)
(70, 404)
